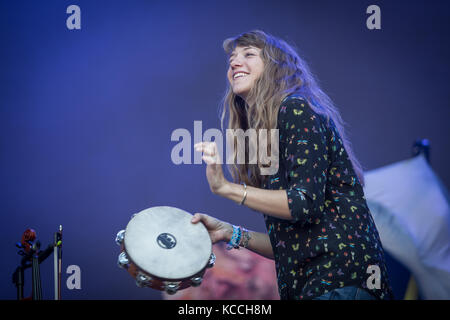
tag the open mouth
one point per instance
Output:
(240, 75)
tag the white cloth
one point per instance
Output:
(410, 207)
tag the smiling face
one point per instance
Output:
(245, 67)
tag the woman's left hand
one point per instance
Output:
(214, 173)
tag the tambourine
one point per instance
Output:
(163, 250)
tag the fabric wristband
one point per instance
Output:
(235, 238)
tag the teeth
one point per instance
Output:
(239, 74)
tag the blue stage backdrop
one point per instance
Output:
(86, 116)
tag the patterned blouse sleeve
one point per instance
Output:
(303, 149)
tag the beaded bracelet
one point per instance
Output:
(235, 239)
(245, 237)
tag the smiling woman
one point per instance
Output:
(246, 66)
(319, 229)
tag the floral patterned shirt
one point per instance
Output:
(331, 240)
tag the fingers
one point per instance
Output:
(210, 152)
(208, 148)
(207, 220)
(213, 226)
(197, 217)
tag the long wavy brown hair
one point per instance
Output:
(284, 73)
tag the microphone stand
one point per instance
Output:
(57, 262)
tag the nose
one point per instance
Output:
(235, 65)
(236, 62)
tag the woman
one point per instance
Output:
(320, 231)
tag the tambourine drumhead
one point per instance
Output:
(163, 242)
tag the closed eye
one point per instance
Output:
(247, 54)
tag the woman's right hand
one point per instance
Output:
(218, 230)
